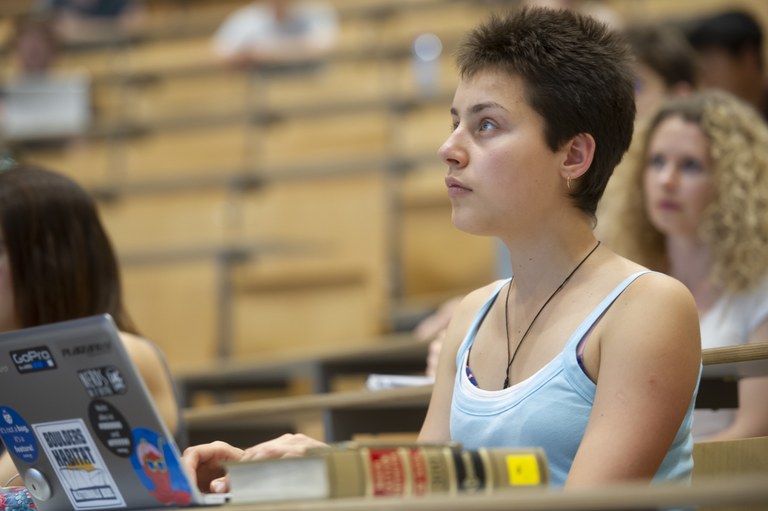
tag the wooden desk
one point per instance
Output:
(722, 369)
(344, 414)
(399, 354)
(736, 361)
(749, 491)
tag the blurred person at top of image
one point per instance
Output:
(94, 21)
(729, 46)
(695, 206)
(57, 264)
(34, 45)
(665, 65)
(42, 101)
(277, 32)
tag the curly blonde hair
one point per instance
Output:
(735, 226)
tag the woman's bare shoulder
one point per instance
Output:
(655, 305)
(467, 309)
(474, 300)
(142, 351)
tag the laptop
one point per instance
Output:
(80, 425)
(46, 106)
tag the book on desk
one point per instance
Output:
(381, 469)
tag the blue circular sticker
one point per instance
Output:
(17, 436)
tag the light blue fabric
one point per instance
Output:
(550, 409)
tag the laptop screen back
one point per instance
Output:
(80, 424)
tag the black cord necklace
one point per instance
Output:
(511, 358)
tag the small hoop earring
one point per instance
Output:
(568, 183)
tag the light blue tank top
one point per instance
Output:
(550, 409)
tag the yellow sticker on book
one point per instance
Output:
(523, 469)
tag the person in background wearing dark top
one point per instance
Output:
(57, 264)
(695, 205)
(93, 21)
(561, 356)
(730, 50)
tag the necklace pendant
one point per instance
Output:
(511, 356)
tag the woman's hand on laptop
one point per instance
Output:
(285, 446)
(205, 461)
(205, 465)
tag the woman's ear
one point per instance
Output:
(580, 151)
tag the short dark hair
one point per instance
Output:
(61, 260)
(664, 49)
(733, 31)
(577, 74)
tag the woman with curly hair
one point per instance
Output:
(703, 219)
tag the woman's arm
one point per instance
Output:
(148, 360)
(647, 367)
(8, 470)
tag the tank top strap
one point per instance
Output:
(479, 317)
(598, 311)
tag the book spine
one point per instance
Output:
(470, 471)
(415, 471)
(408, 471)
(509, 468)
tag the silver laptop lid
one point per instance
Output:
(79, 423)
(35, 107)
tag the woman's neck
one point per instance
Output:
(539, 265)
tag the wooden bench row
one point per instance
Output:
(354, 270)
(348, 413)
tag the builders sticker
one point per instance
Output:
(78, 464)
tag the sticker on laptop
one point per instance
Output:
(17, 435)
(102, 381)
(33, 360)
(78, 464)
(111, 428)
(158, 467)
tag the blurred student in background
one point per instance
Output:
(94, 21)
(34, 45)
(695, 206)
(665, 65)
(41, 103)
(277, 32)
(56, 264)
(729, 46)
